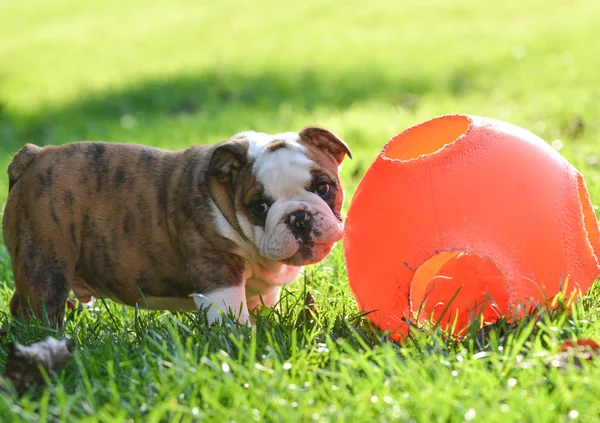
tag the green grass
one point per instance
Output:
(173, 74)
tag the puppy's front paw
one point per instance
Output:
(240, 314)
(221, 302)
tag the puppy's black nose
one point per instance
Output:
(300, 223)
(299, 218)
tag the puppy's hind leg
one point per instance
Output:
(42, 283)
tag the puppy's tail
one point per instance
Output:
(21, 162)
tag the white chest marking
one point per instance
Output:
(264, 281)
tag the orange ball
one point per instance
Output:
(464, 217)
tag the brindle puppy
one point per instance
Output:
(212, 226)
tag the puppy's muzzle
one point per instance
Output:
(300, 224)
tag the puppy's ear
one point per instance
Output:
(227, 159)
(326, 140)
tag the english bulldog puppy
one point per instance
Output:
(220, 227)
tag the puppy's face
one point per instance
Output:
(281, 193)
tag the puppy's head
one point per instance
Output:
(280, 193)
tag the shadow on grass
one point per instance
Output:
(215, 95)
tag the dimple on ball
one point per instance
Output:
(463, 217)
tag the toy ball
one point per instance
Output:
(464, 217)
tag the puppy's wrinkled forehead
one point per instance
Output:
(281, 164)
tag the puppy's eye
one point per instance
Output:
(260, 209)
(322, 189)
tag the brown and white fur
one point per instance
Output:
(221, 227)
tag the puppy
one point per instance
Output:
(220, 227)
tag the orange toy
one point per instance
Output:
(470, 214)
